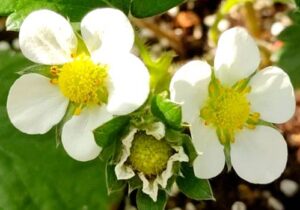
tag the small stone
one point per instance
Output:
(187, 19)
(294, 139)
(289, 187)
(238, 205)
(277, 28)
(173, 12)
(174, 190)
(16, 44)
(209, 20)
(197, 33)
(4, 46)
(176, 208)
(275, 204)
(190, 206)
(223, 25)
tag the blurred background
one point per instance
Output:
(35, 173)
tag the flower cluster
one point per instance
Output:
(97, 92)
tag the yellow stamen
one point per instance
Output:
(228, 110)
(82, 81)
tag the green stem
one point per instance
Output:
(251, 21)
(214, 32)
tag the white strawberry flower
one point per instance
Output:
(105, 81)
(228, 107)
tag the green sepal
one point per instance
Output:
(167, 111)
(193, 187)
(111, 153)
(37, 68)
(112, 183)
(144, 202)
(134, 183)
(81, 46)
(174, 137)
(68, 115)
(111, 130)
(189, 148)
(265, 123)
(170, 184)
(227, 149)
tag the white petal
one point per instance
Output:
(180, 156)
(77, 134)
(128, 86)
(107, 32)
(260, 155)
(189, 87)
(149, 187)
(34, 105)
(272, 95)
(237, 56)
(47, 38)
(211, 159)
(157, 130)
(122, 170)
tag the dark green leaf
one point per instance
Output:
(34, 174)
(193, 187)
(289, 54)
(112, 183)
(123, 5)
(167, 111)
(147, 8)
(144, 202)
(73, 9)
(106, 134)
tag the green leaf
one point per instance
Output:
(288, 57)
(34, 174)
(167, 111)
(123, 5)
(193, 187)
(108, 132)
(297, 3)
(7, 7)
(112, 183)
(147, 8)
(73, 9)
(144, 202)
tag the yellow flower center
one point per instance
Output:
(82, 81)
(228, 110)
(149, 155)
